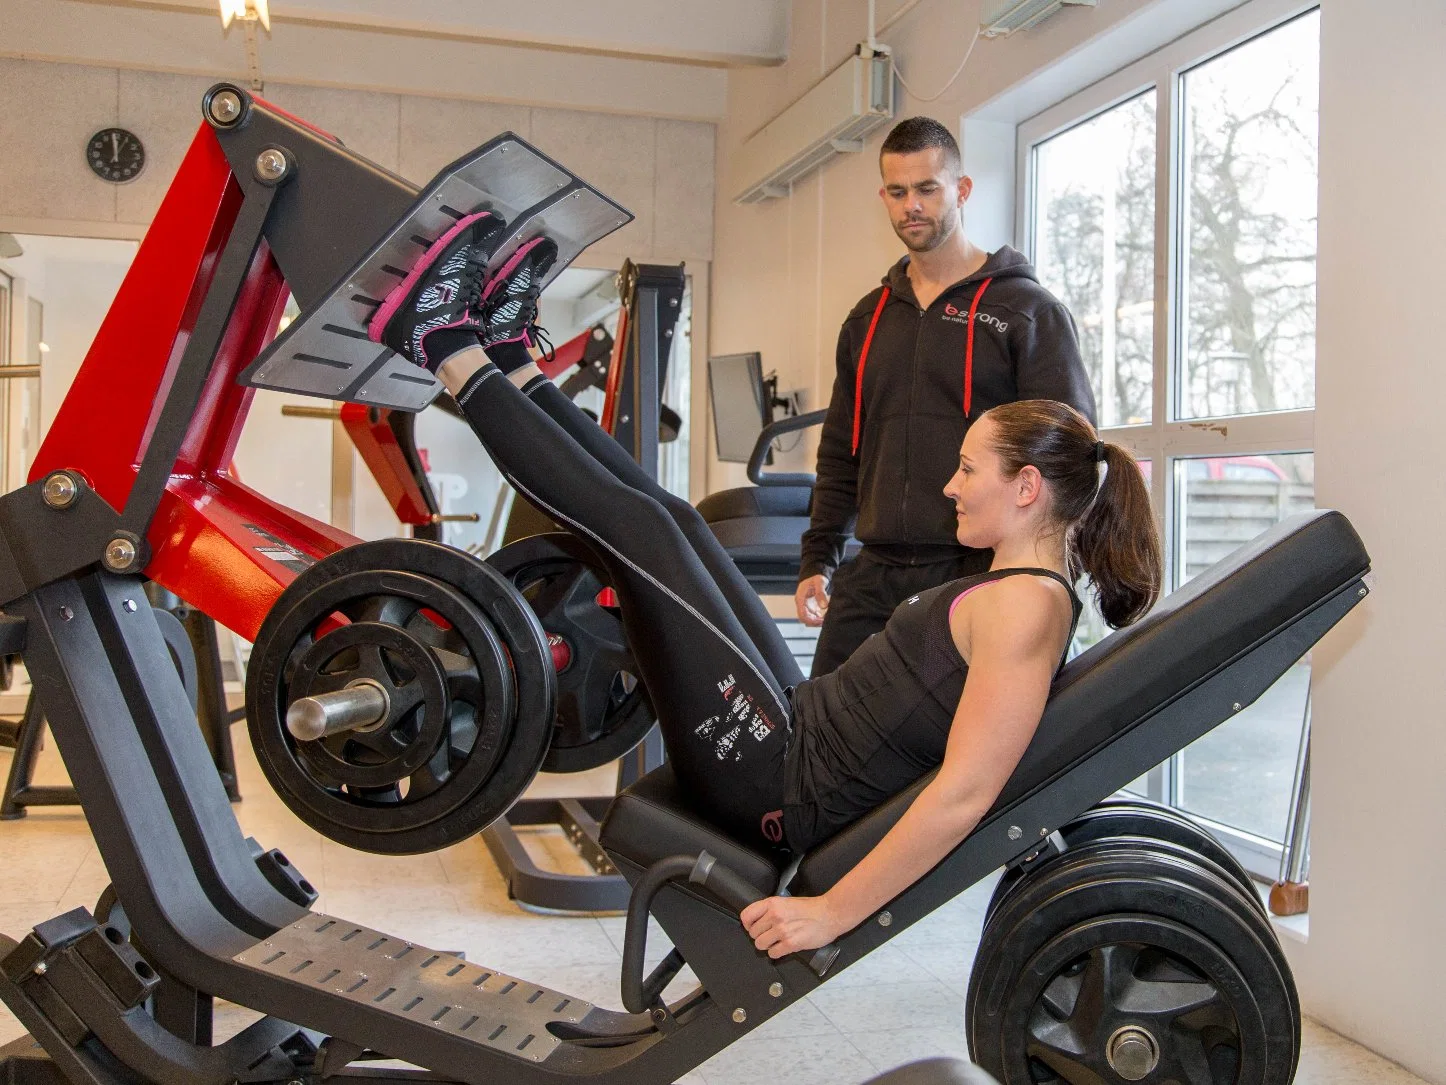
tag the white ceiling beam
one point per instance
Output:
(192, 43)
(735, 32)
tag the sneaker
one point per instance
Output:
(442, 290)
(509, 303)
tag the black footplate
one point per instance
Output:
(326, 352)
(397, 977)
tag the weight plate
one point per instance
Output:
(603, 709)
(1138, 818)
(418, 702)
(1152, 884)
(1245, 903)
(499, 693)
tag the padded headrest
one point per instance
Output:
(746, 501)
(1195, 631)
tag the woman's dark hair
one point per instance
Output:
(1111, 528)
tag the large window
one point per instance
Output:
(1172, 208)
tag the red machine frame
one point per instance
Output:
(214, 541)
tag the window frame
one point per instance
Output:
(1167, 437)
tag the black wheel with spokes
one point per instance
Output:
(603, 709)
(1123, 962)
(462, 674)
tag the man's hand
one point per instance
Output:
(811, 600)
(784, 925)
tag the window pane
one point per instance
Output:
(1249, 169)
(1241, 772)
(1094, 240)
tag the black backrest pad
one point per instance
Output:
(1195, 631)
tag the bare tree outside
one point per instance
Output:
(1250, 172)
(1248, 270)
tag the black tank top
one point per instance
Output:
(869, 729)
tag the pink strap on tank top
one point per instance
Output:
(960, 597)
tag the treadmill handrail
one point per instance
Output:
(767, 436)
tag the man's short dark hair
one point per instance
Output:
(920, 134)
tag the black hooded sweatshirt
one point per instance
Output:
(885, 456)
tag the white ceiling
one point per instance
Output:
(712, 32)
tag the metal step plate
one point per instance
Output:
(390, 975)
(325, 352)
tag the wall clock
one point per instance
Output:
(115, 155)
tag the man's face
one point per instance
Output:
(923, 197)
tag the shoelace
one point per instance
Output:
(473, 278)
(539, 336)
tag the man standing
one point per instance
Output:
(952, 331)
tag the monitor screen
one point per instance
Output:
(735, 384)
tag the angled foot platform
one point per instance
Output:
(326, 352)
(413, 984)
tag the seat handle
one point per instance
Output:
(738, 894)
(767, 436)
(640, 995)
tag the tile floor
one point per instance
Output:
(904, 1002)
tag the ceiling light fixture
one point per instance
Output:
(250, 12)
(245, 10)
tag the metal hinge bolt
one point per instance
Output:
(60, 491)
(120, 555)
(225, 107)
(271, 165)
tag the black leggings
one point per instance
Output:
(716, 668)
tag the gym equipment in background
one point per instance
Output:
(191, 638)
(761, 526)
(209, 918)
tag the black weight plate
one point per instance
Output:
(1140, 818)
(1117, 971)
(1113, 877)
(473, 744)
(603, 709)
(527, 666)
(418, 702)
(1245, 902)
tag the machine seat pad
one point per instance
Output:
(653, 819)
(1216, 618)
(743, 502)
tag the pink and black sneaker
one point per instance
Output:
(442, 290)
(509, 303)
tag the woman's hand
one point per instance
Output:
(784, 925)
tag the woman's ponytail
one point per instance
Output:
(1116, 542)
(1109, 523)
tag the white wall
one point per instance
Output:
(1373, 963)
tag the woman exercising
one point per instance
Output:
(777, 760)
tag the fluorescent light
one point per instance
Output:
(245, 10)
